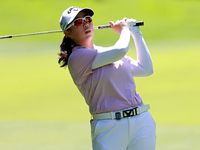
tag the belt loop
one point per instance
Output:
(139, 110)
(112, 115)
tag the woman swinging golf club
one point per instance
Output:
(104, 76)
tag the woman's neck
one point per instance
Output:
(88, 44)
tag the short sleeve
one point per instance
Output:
(80, 64)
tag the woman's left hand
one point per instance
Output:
(119, 25)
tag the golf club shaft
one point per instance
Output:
(141, 23)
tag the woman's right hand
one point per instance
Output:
(119, 25)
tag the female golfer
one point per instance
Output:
(104, 76)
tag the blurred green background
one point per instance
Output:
(40, 107)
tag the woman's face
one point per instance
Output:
(81, 34)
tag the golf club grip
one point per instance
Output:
(3, 37)
(140, 23)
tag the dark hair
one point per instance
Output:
(65, 51)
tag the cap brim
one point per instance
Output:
(88, 11)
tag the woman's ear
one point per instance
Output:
(67, 33)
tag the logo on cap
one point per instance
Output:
(72, 8)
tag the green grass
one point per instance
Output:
(44, 136)
(163, 19)
(40, 107)
(28, 135)
(173, 88)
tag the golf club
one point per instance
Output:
(140, 23)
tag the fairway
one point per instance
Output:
(41, 108)
(63, 136)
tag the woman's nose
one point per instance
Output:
(85, 24)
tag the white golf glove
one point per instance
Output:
(134, 30)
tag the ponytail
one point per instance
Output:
(66, 50)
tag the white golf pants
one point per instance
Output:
(132, 133)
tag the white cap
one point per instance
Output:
(70, 13)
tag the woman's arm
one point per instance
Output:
(119, 50)
(113, 53)
(143, 65)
